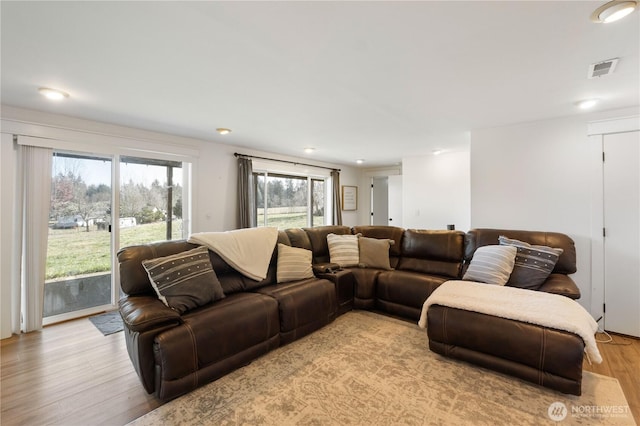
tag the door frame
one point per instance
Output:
(596, 131)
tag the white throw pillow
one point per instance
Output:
(293, 264)
(491, 264)
(343, 249)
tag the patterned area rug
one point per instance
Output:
(368, 369)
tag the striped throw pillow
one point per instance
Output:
(533, 263)
(293, 264)
(184, 281)
(343, 249)
(491, 264)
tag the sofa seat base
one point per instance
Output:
(404, 292)
(213, 341)
(548, 357)
(303, 306)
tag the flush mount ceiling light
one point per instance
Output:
(587, 103)
(223, 131)
(53, 94)
(436, 152)
(309, 150)
(359, 161)
(613, 11)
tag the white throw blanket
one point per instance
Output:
(534, 307)
(248, 250)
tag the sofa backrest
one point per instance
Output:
(318, 240)
(135, 281)
(432, 252)
(482, 237)
(384, 232)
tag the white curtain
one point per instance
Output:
(33, 197)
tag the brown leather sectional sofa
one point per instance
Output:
(174, 353)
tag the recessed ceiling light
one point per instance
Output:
(613, 11)
(359, 161)
(53, 94)
(223, 131)
(587, 103)
(436, 152)
(309, 150)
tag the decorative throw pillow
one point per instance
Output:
(184, 281)
(533, 263)
(293, 264)
(343, 249)
(491, 264)
(374, 252)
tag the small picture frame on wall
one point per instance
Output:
(349, 198)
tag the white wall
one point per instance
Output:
(538, 176)
(435, 191)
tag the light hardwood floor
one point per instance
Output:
(69, 374)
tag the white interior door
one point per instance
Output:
(622, 232)
(395, 200)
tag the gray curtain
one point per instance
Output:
(246, 194)
(337, 205)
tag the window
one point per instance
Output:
(287, 201)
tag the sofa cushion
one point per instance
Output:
(432, 252)
(184, 281)
(485, 236)
(383, 232)
(407, 288)
(491, 265)
(318, 239)
(533, 263)
(293, 264)
(343, 249)
(374, 253)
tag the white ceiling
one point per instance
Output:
(372, 80)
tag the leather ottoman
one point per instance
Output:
(541, 355)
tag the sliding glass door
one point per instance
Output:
(89, 221)
(78, 271)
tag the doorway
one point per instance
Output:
(386, 200)
(380, 200)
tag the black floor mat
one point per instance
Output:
(108, 323)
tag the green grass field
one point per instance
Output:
(73, 252)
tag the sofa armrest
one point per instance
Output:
(561, 284)
(325, 268)
(345, 288)
(143, 313)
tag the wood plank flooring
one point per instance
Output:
(70, 374)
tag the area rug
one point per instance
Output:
(108, 323)
(369, 369)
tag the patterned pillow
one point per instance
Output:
(533, 263)
(293, 264)
(343, 249)
(491, 264)
(374, 252)
(185, 280)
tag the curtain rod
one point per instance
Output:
(295, 163)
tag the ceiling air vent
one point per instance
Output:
(603, 68)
